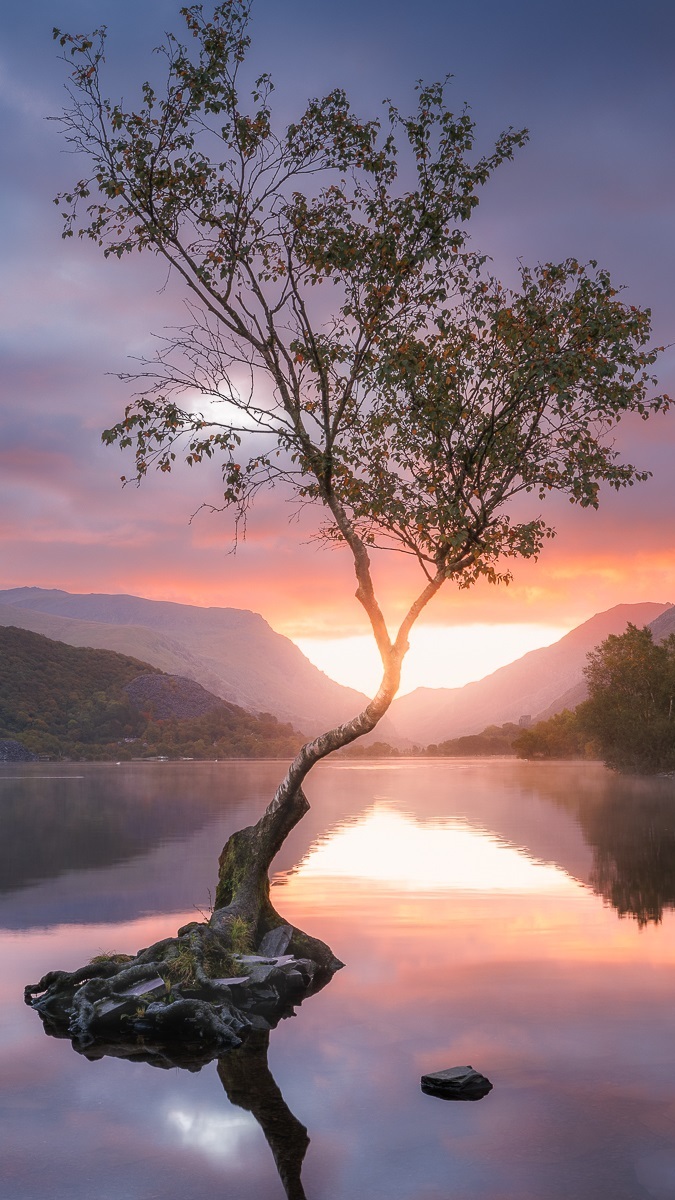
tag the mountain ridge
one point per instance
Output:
(529, 686)
(235, 654)
(232, 652)
(83, 703)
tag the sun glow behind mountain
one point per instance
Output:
(439, 656)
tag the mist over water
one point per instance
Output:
(517, 917)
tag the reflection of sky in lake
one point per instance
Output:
(536, 982)
(223, 1135)
(392, 848)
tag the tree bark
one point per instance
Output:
(242, 900)
(243, 892)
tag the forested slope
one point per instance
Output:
(77, 702)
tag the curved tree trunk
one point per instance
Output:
(191, 972)
(242, 903)
(242, 895)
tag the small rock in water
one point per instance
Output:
(456, 1083)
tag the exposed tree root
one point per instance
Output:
(211, 984)
(190, 989)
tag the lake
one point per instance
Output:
(517, 917)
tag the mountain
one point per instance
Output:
(569, 699)
(661, 627)
(237, 656)
(532, 685)
(144, 644)
(53, 696)
(231, 652)
(664, 625)
(81, 703)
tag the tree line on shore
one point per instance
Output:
(628, 719)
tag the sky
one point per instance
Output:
(593, 83)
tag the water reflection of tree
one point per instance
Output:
(634, 851)
(249, 1083)
(629, 825)
(246, 1078)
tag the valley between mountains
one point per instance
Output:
(238, 657)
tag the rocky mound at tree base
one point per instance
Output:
(185, 999)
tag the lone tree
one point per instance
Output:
(390, 378)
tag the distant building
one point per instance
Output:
(525, 721)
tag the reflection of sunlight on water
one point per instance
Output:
(392, 847)
(378, 765)
(219, 1134)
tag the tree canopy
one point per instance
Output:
(343, 337)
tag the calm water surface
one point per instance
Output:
(518, 917)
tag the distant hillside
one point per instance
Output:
(664, 625)
(52, 696)
(63, 701)
(232, 652)
(536, 683)
(170, 696)
(144, 644)
(496, 740)
(237, 657)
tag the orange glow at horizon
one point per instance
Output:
(439, 656)
(142, 545)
